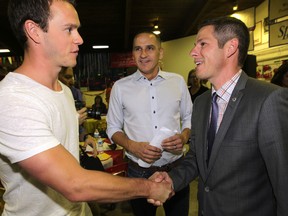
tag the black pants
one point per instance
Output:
(177, 205)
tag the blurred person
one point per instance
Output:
(66, 76)
(39, 163)
(244, 171)
(280, 78)
(3, 72)
(194, 85)
(98, 106)
(140, 105)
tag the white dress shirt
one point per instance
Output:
(140, 107)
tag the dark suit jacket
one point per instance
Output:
(247, 174)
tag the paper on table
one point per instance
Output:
(162, 134)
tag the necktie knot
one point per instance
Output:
(214, 97)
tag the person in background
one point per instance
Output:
(99, 106)
(140, 105)
(194, 85)
(66, 76)
(3, 72)
(280, 78)
(246, 172)
(39, 125)
(108, 92)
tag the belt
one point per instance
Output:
(164, 168)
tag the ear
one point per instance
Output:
(161, 53)
(32, 31)
(232, 47)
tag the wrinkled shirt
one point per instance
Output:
(140, 107)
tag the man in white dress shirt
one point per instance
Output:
(140, 105)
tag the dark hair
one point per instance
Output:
(98, 97)
(278, 76)
(189, 74)
(158, 39)
(226, 28)
(36, 10)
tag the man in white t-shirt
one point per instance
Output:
(39, 161)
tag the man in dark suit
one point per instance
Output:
(246, 173)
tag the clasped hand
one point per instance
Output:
(161, 177)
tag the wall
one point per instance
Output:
(176, 56)
(267, 56)
(177, 59)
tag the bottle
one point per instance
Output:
(99, 145)
(96, 134)
(98, 141)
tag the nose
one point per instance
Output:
(193, 53)
(78, 39)
(143, 53)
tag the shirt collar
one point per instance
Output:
(226, 90)
(138, 75)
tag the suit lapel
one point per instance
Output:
(227, 118)
(201, 138)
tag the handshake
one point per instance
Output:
(162, 190)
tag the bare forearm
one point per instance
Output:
(185, 134)
(106, 188)
(121, 139)
(58, 169)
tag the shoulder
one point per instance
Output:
(171, 75)
(260, 87)
(124, 80)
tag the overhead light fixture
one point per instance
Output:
(4, 51)
(156, 28)
(100, 47)
(235, 6)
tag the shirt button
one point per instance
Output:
(150, 84)
(207, 189)
(155, 127)
(152, 97)
(154, 112)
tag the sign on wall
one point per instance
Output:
(278, 33)
(278, 9)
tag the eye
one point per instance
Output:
(69, 30)
(150, 48)
(202, 44)
(137, 48)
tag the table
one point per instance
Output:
(115, 164)
(91, 124)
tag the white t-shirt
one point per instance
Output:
(33, 118)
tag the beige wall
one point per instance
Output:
(176, 52)
(176, 56)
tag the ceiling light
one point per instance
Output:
(157, 32)
(235, 5)
(100, 47)
(156, 29)
(4, 51)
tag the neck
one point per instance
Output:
(41, 72)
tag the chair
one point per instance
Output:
(118, 169)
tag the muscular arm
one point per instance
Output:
(58, 169)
